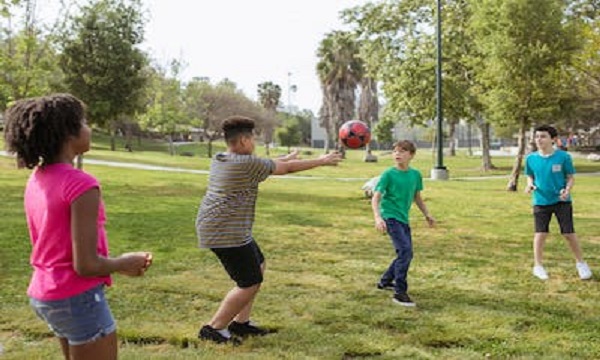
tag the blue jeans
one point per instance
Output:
(398, 269)
(80, 319)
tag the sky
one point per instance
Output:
(248, 42)
(245, 41)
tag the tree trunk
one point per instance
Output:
(451, 138)
(209, 147)
(532, 145)
(513, 182)
(486, 158)
(469, 142)
(128, 137)
(113, 135)
(171, 145)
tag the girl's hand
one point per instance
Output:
(135, 263)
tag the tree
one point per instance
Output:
(339, 70)
(585, 117)
(165, 112)
(398, 41)
(269, 96)
(526, 46)
(28, 58)
(210, 104)
(102, 62)
(290, 134)
(368, 105)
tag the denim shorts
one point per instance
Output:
(80, 319)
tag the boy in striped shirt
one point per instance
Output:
(225, 219)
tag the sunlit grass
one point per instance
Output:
(470, 275)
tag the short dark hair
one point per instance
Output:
(549, 129)
(36, 128)
(237, 125)
(405, 145)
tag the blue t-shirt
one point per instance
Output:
(549, 176)
(398, 189)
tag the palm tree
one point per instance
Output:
(269, 95)
(339, 69)
(368, 107)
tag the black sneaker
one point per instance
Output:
(403, 299)
(247, 329)
(386, 286)
(207, 332)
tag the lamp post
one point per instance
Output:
(439, 172)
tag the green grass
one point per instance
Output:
(471, 276)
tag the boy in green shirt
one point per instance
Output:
(393, 196)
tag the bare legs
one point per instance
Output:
(104, 348)
(539, 240)
(237, 305)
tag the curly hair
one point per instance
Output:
(235, 126)
(36, 128)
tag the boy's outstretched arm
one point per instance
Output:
(291, 156)
(291, 166)
(421, 205)
(379, 222)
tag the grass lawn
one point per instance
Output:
(471, 275)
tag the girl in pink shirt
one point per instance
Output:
(65, 216)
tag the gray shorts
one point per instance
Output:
(80, 319)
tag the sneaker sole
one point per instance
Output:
(385, 288)
(404, 304)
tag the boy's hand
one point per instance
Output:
(332, 158)
(529, 188)
(564, 194)
(380, 225)
(135, 263)
(430, 220)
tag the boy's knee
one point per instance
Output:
(253, 288)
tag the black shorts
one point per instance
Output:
(242, 263)
(564, 215)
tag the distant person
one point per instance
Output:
(398, 187)
(550, 178)
(65, 215)
(225, 220)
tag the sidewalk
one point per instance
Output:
(139, 166)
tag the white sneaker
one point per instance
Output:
(584, 270)
(540, 273)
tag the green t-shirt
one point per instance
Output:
(398, 189)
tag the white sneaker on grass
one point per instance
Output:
(540, 273)
(584, 270)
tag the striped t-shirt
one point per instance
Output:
(226, 213)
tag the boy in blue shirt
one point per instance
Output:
(393, 196)
(550, 178)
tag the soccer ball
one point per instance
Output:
(354, 134)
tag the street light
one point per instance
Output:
(291, 88)
(439, 172)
